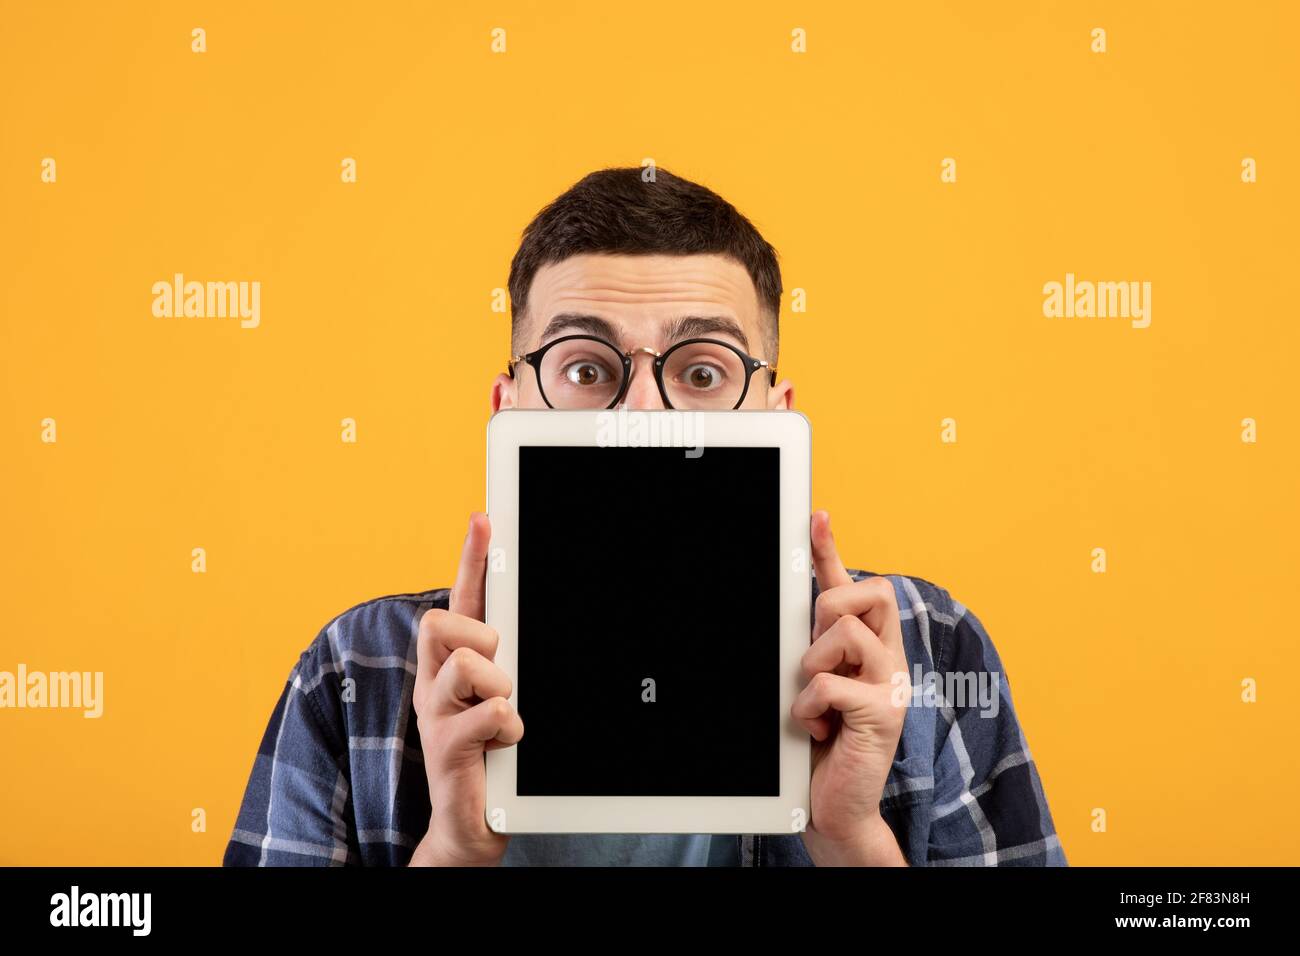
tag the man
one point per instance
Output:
(374, 753)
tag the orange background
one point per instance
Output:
(924, 302)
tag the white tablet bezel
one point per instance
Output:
(695, 432)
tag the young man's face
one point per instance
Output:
(640, 302)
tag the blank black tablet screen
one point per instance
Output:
(649, 641)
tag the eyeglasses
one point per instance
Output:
(583, 371)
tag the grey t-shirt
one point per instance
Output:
(619, 849)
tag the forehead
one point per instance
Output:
(644, 291)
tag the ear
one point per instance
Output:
(503, 393)
(780, 397)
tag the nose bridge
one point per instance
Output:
(642, 390)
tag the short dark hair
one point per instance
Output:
(617, 211)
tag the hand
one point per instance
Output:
(854, 706)
(462, 708)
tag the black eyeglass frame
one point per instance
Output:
(535, 357)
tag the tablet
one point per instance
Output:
(649, 578)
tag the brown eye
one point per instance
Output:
(702, 377)
(586, 373)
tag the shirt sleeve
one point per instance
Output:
(296, 809)
(989, 805)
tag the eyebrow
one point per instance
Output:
(695, 326)
(685, 327)
(578, 323)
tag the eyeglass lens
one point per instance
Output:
(588, 373)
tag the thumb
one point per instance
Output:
(467, 594)
(826, 559)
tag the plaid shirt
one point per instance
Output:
(339, 777)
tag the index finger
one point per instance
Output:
(826, 559)
(467, 594)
